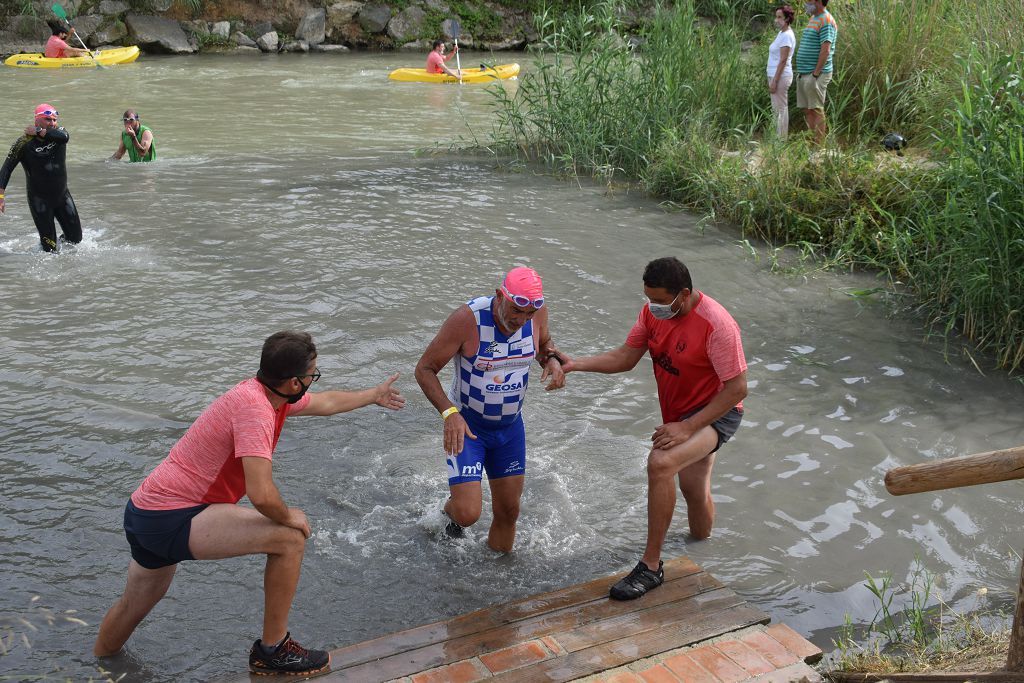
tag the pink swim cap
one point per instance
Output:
(46, 108)
(523, 281)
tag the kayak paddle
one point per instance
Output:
(61, 14)
(456, 30)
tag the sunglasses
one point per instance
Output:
(522, 301)
(130, 118)
(315, 375)
(47, 112)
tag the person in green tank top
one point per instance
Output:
(136, 139)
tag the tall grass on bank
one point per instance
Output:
(970, 260)
(592, 104)
(688, 115)
(896, 62)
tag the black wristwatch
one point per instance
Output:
(551, 354)
(39, 131)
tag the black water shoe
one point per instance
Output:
(452, 529)
(638, 582)
(288, 658)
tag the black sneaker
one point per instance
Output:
(289, 658)
(452, 529)
(639, 581)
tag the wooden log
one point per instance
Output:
(967, 470)
(1015, 655)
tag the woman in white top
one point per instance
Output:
(780, 68)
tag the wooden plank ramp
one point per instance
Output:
(692, 628)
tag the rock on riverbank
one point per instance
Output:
(259, 26)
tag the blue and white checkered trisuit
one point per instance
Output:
(492, 384)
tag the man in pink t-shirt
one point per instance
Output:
(186, 509)
(701, 375)
(436, 60)
(57, 46)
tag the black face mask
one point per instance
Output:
(292, 398)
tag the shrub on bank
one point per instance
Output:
(688, 115)
(970, 261)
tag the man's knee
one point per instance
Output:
(506, 512)
(660, 465)
(290, 541)
(297, 540)
(464, 512)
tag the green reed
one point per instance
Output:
(688, 115)
(969, 248)
(912, 624)
(913, 629)
(896, 61)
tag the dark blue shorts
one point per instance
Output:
(724, 426)
(159, 538)
(500, 451)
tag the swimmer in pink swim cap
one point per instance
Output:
(494, 340)
(41, 152)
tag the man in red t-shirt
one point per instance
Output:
(186, 509)
(701, 374)
(436, 60)
(57, 46)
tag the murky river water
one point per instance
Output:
(289, 195)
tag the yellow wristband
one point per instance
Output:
(449, 412)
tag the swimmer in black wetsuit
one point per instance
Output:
(41, 152)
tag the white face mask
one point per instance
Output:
(809, 7)
(662, 311)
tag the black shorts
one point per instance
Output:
(724, 426)
(159, 538)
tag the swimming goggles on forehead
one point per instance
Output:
(522, 301)
(47, 112)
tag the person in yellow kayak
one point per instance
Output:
(136, 139)
(437, 58)
(57, 46)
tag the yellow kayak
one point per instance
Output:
(479, 75)
(115, 55)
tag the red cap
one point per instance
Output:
(523, 281)
(45, 108)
